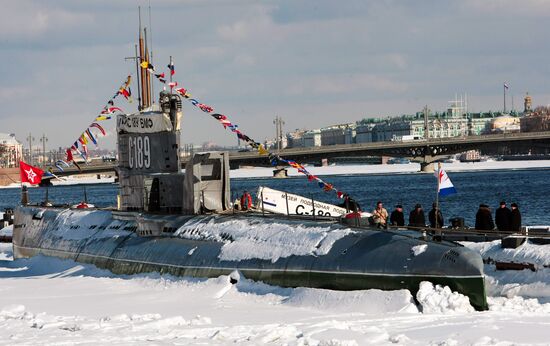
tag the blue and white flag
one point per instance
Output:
(445, 185)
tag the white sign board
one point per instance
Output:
(276, 202)
(144, 123)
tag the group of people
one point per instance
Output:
(417, 217)
(506, 219)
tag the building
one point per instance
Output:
(11, 151)
(363, 132)
(338, 134)
(535, 122)
(503, 124)
(312, 138)
(527, 103)
(295, 139)
(454, 122)
(350, 134)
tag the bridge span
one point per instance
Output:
(424, 151)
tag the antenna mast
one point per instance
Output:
(137, 77)
(142, 59)
(151, 52)
(136, 61)
(147, 74)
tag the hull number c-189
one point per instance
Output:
(139, 150)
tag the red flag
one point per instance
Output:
(124, 93)
(69, 155)
(30, 174)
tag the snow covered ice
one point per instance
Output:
(51, 301)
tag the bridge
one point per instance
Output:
(424, 151)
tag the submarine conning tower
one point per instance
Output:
(149, 169)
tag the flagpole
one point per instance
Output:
(437, 196)
(504, 87)
(24, 192)
(171, 62)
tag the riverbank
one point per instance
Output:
(76, 180)
(265, 172)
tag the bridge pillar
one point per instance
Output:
(280, 173)
(427, 167)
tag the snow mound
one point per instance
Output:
(15, 312)
(524, 283)
(539, 255)
(517, 304)
(437, 299)
(246, 239)
(369, 301)
(418, 249)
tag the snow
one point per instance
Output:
(47, 300)
(517, 283)
(85, 219)
(539, 255)
(6, 231)
(265, 240)
(418, 249)
(438, 299)
(72, 180)
(259, 172)
(84, 179)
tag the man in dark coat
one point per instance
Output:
(397, 218)
(515, 218)
(435, 212)
(503, 217)
(350, 204)
(416, 217)
(484, 219)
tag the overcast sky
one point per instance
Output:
(314, 63)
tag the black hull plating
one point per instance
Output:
(359, 260)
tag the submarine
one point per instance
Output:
(183, 223)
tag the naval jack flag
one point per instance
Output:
(444, 185)
(30, 174)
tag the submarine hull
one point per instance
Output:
(343, 259)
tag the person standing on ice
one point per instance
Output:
(246, 201)
(380, 215)
(503, 217)
(484, 219)
(417, 217)
(397, 218)
(515, 218)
